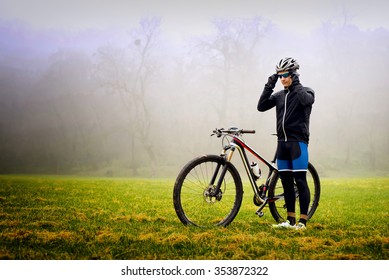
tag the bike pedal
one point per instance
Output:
(260, 214)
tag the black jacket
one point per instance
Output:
(293, 108)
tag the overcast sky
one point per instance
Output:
(182, 18)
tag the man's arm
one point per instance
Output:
(305, 95)
(266, 101)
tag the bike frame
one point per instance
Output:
(237, 143)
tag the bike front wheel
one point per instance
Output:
(195, 198)
(276, 195)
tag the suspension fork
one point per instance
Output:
(226, 158)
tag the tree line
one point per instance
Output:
(142, 105)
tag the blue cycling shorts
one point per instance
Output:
(292, 156)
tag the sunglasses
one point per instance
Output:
(285, 75)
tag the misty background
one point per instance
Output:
(135, 89)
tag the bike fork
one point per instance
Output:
(227, 158)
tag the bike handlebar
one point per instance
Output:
(248, 131)
(232, 131)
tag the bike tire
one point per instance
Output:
(191, 203)
(278, 207)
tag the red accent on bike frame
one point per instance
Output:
(243, 145)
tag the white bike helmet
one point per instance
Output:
(287, 64)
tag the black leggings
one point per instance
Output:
(288, 178)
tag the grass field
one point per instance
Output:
(87, 218)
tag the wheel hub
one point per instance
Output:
(210, 196)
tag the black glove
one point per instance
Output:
(271, 82)
(295, 78)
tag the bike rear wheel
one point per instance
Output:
(194, 199)
(278, 207)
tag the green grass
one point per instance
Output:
(86, 218)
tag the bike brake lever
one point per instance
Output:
(217, 132)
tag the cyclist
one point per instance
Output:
(293, 108)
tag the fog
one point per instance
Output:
(138, 92)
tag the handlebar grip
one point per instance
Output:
(248, 131)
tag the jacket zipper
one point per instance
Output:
(283, 118)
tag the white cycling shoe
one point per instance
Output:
(285, 224)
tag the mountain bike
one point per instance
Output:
(208, 190)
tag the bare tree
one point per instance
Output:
(231, 57)
(129, 72)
